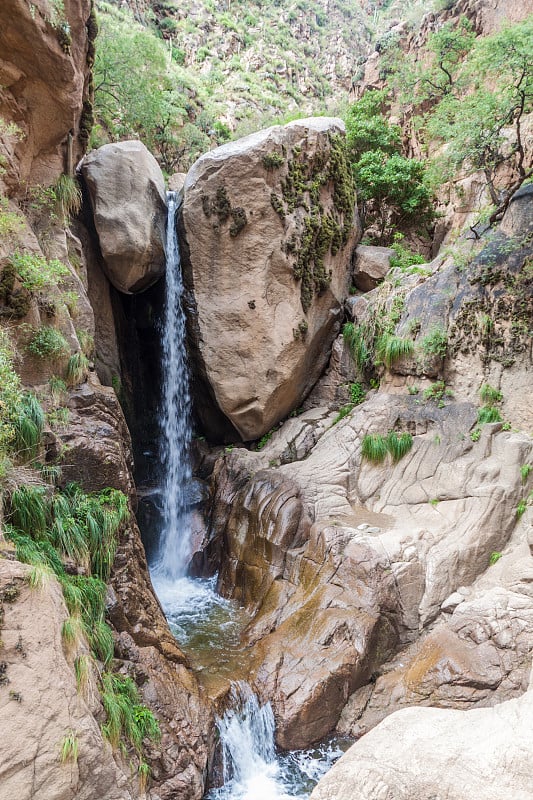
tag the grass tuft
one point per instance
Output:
(374, 448)
(390, 349)
(77, 367)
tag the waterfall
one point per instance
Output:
(250, 768)
(174, 547)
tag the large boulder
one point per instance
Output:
(127, 192)
(371, 266)
(267, 232)
(427, 753)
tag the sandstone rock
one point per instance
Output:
(46, 88)
(339, 560)
(176, 182)
(40, 705)
(423, 753)
(127, 192)
(371, 266)
(268, 270)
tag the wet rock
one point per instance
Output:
(127, 192)
(268, 269)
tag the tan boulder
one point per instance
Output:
(127, 192)
(268, 227)
(371, 266)
(427, 753)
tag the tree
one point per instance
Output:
(392, 189)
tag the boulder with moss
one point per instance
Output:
(268, 228)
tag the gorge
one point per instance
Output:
(265, 439)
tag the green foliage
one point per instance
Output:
(475, 435)
(494, 557)
(10, 393)
(48, 342)
(354, 338)
(77, 367)
(69, 748)
(437, 391)
(390, 349)
(82, 671)
(36, 272)
(374, 448)
(488, 414)
(127, 718)
(393, 188)
(27, 421)
(490, 395)
(357, 394)
(343, 412)
(521, 508)
(403, 258)
(11, 222)
(435, 343)
(399, 445)
(68, 194)
(272, 161)
(525, 469)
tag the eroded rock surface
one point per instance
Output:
(40, 704)
(342, 561)
(127, 192)
(268, 267)
(427, 753)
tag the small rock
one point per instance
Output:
(451, 603)
(371, 266)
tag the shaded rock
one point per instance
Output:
(426, 753)
(176, 182)
(268, 270)
(371, 266)
(127, 192)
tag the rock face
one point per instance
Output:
(127, 192)
(371, 266)
(40, 704)
(341, 561)
(426, 753)
(46, 51)
(267, 231)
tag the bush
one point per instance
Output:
(48, 342)
(435, 342)
(35, 272)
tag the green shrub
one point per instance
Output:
(272, 161)
(488, 414)
(494, 557)
(10, 393)
(435, 342)
(35, 272)
(355, 341)
(390, 349)
(48, 342)
(357, 394)
(490, 395)
(525, 469)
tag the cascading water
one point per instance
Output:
(205, 624)
(174, 548)
(252, 770)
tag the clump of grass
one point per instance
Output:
(77, 367)
(435, 342)
(68, 196)
(490, 395)
(72, 632)
(27, 422)
(488, 414)
(126, 716)
(58, 389)
(69, 748)
(39, 576)
(355, 341)
(374, 448)
(525, 469)
(143, 772)
(494, 557)
(86, 341)
(390, 349)
(82, 671)
(398, 445)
